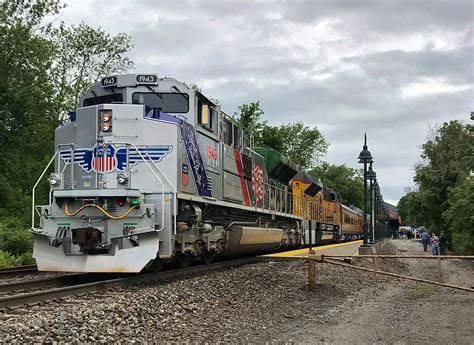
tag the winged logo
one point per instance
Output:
(95, 159)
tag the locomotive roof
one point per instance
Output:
(109, 84)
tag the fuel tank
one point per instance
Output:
(246, 239)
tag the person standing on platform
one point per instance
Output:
(435, 244)
(425, 238)
(443, 244)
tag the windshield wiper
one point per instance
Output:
(155, 93)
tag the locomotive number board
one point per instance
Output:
(109, 81)
(146, 79)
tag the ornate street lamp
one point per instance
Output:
(376, 188)
(365, 157)
(371, 175)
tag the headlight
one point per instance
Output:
(106, 117)
(106, 127)
(55, 180)
(122, 178)
(106, 120)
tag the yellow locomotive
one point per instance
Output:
(323, 213)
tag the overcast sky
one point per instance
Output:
(392, 68)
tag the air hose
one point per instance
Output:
(72, 214)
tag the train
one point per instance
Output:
(148, 170)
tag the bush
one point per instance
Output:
(7, 260)
(15, 238)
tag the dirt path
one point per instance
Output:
(403, 312)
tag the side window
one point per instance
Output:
(207, 116)
(237, 137)
(203, 113)
(227, 131)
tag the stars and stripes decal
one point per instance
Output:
(114, 158)
(258, 187)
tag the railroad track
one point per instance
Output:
(10, 271)
(48, 289)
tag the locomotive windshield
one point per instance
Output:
(113, 98)
(167, 102)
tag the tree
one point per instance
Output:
(444, 198)
(348, 182)
(25, 99)
(447, 159)
(410, 208)
(83, 55)
(42, 72)
(250, 119)
(459, 216)
(304, 145)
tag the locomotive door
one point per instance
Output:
(86, 138)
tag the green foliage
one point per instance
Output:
(459, 216)
(7, 260)
(250, 119)
(444, 200)
(43, 69)
(25, 100)
(410, 208)
(83, 55)
(304, 145)
(348, 182)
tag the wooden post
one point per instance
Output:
(311, 272)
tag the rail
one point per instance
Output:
(103, 284)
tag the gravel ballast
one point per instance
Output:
(260, 302)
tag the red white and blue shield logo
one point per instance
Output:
(104, 163)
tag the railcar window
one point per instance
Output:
(167, 102)
(227, 131)
(207, 116)
(113, 98)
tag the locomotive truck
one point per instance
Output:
(149, 170)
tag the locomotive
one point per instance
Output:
(149, 170)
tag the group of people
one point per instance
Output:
(438, 244)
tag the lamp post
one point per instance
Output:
(365, 157)
(371, 175)
(375, 186)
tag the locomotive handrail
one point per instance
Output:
(158, 179)
(34, 189)
(175, 192)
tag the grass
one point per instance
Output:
(424, 289)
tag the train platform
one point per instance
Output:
(346, 248)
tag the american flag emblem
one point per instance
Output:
(115, 158)
(257, 184)
(104, 163)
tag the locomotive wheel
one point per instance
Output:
(207, 257)
(183, 260)
(156, 266)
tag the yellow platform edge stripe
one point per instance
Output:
(306, 250)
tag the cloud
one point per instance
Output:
(390, 68)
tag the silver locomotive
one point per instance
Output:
(148, 170)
